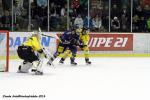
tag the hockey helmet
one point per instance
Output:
(85, 30)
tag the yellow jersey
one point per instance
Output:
(84, 38)
(33, 42)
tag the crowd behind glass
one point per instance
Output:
(53, 15)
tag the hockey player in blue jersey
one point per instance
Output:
(69, 40)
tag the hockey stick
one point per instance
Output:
(52, 36)
(48, 54)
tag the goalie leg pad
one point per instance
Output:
(24, 67)
(37, 64)
(38, 68)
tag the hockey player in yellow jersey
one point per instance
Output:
(84, 38)
(29, 51)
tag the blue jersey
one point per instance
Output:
(69, 37)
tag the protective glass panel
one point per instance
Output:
(141, 16)
(99, 12)
(6, 15)
(120, 15)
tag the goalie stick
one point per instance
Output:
(52, 36)
(48, 54)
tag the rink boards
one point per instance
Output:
(100, 44)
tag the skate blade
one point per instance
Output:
(38, 73)
(73, 64)
(61, 63)
(21, 71)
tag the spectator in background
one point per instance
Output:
(138, 11)
(19, 4)
(139, 19)
(53, 9)
(136, 2)
(145, 2)
(146, 11)
(86, 21)
(6, 5)
(41, 8)
(58, 10)
(17, 10)
(26, 4)
(41, 11)
(54, 22)
(63, 11)
(124, 23)
(115, 11)
(6, 20)
(142, 24)
(41, 3)
(115, 24)
(75, 4)
(78, 21)
(135, 23)
(105, 18)
(97, 23)
(148, 24)
(125, 19)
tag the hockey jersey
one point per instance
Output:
(69, 37)
(33, 42)
(84, 38)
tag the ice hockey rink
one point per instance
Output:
(106, 79)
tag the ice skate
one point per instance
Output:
(24, 67)
(73, 63)
(38, 72)
(61, 62)
(50, 62)
(87, 61)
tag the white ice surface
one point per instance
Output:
(105, 79)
